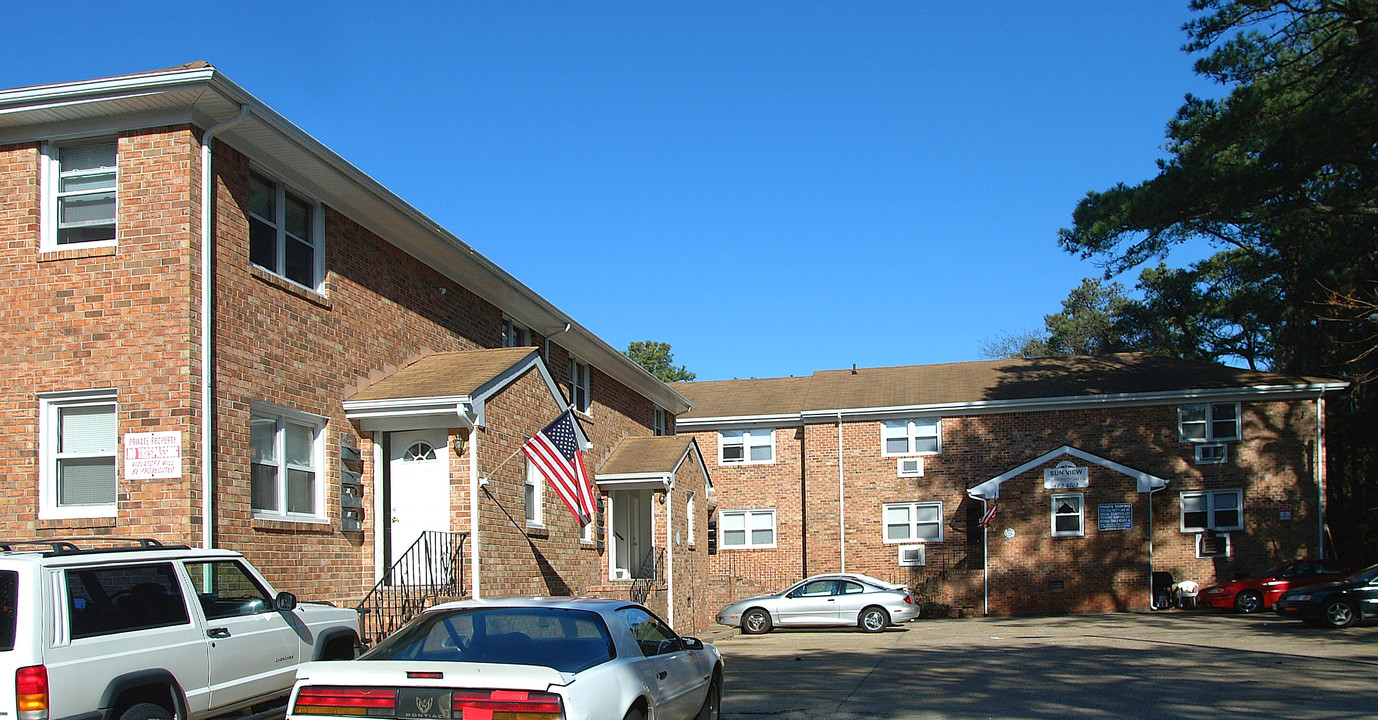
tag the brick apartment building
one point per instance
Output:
(1101, 470)
(215, 331)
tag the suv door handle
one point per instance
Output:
(218, 633)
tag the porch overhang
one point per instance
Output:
(635, 481)
(990, 489)
(413, 413)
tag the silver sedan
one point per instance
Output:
(841, 599)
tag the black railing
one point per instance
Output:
(432, 569)
(646, 576)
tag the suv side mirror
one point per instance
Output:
(285, 601)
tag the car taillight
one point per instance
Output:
(31, 692)
(513, 704)
(908, 600)
(345, 701)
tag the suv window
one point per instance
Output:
(104, 601)
(226, 589)
(9, 599)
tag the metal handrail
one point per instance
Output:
(431, 569)
(647, 576)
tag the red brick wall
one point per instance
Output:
(1101, 571)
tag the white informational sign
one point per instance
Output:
(1066, 476)
(1115, 516)
(151, 456)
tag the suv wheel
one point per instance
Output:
(146, 711)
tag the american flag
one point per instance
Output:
(555, 452)
(990, 515)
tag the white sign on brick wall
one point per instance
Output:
(151, 456)
(1066, 476)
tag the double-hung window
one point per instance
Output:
(286, 232)
(78, 441)
(911, 437)
(514, 334)
(658, 422)
(1212, 510)
(286, 455)
(579, 383)
(914, 522)
(746, 447)
(535, 496)
(79, 199)
(1069, 515)
(1208, 422)
(745, 529)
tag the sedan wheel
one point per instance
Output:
(1339, 613)
(873, 619)
(712, 704)
(755, 622)
(1248, 602)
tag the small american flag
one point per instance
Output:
(555, 452)
(990, 515)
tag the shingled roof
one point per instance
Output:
(1010, 380)
(448, 374)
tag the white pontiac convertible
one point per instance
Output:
(521, 659)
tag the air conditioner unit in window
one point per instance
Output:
(1213, 545)
(910, 467)
(911, 555)
(1214, 454)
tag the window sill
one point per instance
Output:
(286, 285)
(297, 526)
(75, 253)
(539, 531)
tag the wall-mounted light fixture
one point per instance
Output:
(458, 444)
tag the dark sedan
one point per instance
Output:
(1334, 604)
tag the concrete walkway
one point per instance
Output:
(1161, 665)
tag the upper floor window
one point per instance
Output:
(689, 515)
(1212, 510)
(659, 424)
(286, 232)
(579, 382)
(514, 334)
(746, 528)
(534, 496)
(1208, 422)
(78, 439)
(911, 437)
(79, 194)
(911, 522)
(1069, 515)
(746, 447)
(285, 476)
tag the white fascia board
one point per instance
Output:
(693, 449)
(39, 97)
(741, 421)
(990, 489)
(634, 481)
(362, 409)
(1075, 402)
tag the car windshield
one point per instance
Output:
(1368, 574)
(9, 598)
(1270, 572)
(561, 638)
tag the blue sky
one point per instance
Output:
(773, 188)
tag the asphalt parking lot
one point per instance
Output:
(1155, 665)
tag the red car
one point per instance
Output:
(1258, 591)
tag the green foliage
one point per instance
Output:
(658, 360)
(1281, 175)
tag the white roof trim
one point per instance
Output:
(990, 489)
(635, 481)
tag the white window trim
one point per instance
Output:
(1210, 424)
(747, 514)
(689, 515)
(515, 334)
(535, 509)
(575, 386)
(49, 404)
(49, 182)
(911, 434)
(1081, 514)
(1209, 495)
(659, 424)
(913, 522)
(746, 434)
(280, 225)
(318, 425)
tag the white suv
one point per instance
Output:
(151, 632)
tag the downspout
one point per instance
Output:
(985, 563)
(803, 502)
(207, 327)
(670, 554)
(547, 341)
(1320, 473)
(1151, 599)
(841, 501)
(474, 579)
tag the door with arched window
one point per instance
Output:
(419, 491)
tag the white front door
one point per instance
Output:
(631, 533)
(420, 488)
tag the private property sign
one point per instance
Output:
(155, 455)
(1066, 476)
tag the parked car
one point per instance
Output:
(523, 658)
(840, 599)
(151, 632)
(1258, 591)
(1338, 604)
